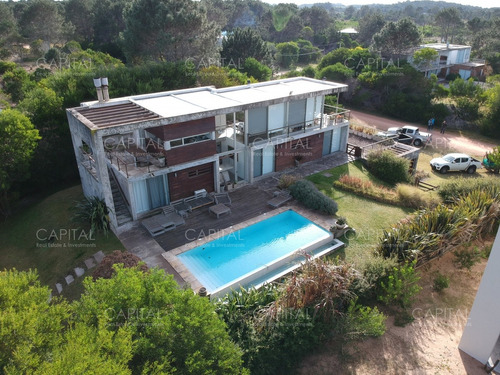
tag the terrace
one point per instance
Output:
(131, 159)
(248, 203)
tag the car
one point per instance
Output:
(407, 134)
(456, 162)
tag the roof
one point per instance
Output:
(444, 46)
(183, 105)
(349, 30)
(116, 114)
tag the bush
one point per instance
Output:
(412, 196)
(286, 181)
(376, 269)
(306, 193)
(458, 187)
(466, 258)
(441, 282)
(401, 286)
(106, 270)
(388, 167)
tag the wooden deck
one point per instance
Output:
(247, 202)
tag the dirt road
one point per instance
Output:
(451, 140)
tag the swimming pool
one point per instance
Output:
(252, 252)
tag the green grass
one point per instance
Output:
(368, 217)
(24, 244)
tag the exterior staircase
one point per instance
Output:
(121, 211)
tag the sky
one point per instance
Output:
(481, 3)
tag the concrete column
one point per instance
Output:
(483, 327)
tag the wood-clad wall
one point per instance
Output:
(182, 184)
(308, 149)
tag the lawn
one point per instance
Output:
(25, 244)
(368, 217)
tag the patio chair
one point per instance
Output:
(222, 198)
(279, 199)
(163, 222)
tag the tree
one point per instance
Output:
(396, 38)
(108, 23)
(8, 29)
(168, 30)
(337, 73)
(242, 44)
(369, 25)
(79, 13)
(307, 52)
(173, 329)
(255, 69)
(288, 54)
(42, 20)
(425, 57)
(448, 20)
(37, 335)
(317, 18)
(19, 140)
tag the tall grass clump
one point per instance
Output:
(307, 194)
(432, 232)
(388, 167)
(413, 197)
(460, 186)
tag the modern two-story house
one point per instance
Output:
(452, 59)
(150, 150)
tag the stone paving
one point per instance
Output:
(80, 271)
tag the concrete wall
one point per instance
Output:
(79, 133)
(483, 327)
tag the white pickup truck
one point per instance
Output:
(456, 162)
(410, 135)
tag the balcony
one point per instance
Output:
(335, 117)
(133, 161)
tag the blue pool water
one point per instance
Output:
(228, 258)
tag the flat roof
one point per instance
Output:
(180, 105)
(443, 46)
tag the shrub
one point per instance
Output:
(359, 322)
(286, 180)
(411, 196)
(106, 270)
(458, 187)
(430, 233)
(93, 211)
(401, 286)
(389, 167)
(466, 258)
(441, 282)
(375, 270)
(366, 188)
(306, 193)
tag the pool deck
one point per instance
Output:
(249, 205)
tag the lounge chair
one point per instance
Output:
(279, 199)
(161, 223)
(222, 198)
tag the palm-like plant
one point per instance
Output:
(93, 210)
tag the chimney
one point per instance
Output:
(98, 86)
(105, 92)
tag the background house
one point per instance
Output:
(452, 59)
(140, 153)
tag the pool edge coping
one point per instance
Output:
(171, 255)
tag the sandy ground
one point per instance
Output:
(428, 345)
(449, 140)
